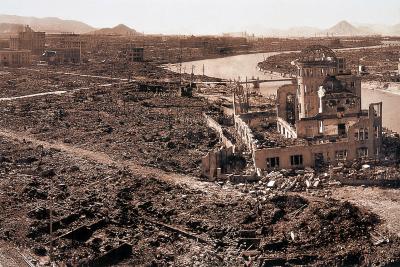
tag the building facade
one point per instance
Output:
(134, 54)
(15, 58)
(29, 40)
(319, 118)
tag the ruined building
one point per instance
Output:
(133, 53)
(29, 40)
(319, 118)
(15, 58)
(65, 48)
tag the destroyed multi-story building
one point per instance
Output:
(134, 53)
(319, 118)
(15, 58)
(28, 39)
(65, 48)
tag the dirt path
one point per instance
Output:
(187, 181)
(384, 202)
(79, 74)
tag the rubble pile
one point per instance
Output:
(163, 131)
(141, 71)
(104, 214)
(20, 82)
(269, 138)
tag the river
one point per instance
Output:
(241, 66)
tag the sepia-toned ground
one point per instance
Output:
(123, 167)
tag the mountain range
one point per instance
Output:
(50, 24)
(120, 29)
(343, 28)
(11, 24)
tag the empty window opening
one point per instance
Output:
(341, 155)
(319, 159)
(341, 129)
(362, 152)
(296, 160)
(273, 162)
(361, 134)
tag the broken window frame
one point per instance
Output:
(296, 160)
(341, 155)
(361, 134)
(362, 152)
(273, 162)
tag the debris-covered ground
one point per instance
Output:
(100, 208)
(160, 130)
(21, 82)
(119, 167)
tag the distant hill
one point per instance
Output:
(49, 25)
(344, 28)
(120, 29)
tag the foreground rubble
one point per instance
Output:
(100, 209)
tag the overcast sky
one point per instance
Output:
(209, 16)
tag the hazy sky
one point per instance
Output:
(209, 16)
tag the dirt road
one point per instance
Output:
(189, 182)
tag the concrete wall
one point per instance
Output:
(328, 150)
(310, 128)
(351, 144)
(285, 128)
(217, 127)
(216, 163)
(245, 133)
(309, 80)
(281, 99)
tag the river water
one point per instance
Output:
(238, 67)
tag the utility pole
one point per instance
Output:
(192, 76)
(51, 204)
(180, 62)
(80, 51)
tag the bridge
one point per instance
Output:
(223, 82)
(266, 81)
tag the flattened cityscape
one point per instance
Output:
(120, 148)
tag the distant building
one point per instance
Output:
(62, 55)
(15, 58)
(134, 54)
(29, 40)
(398, 67)
(65, 48)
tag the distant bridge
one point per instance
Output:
(245, 82)
(267, 81)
